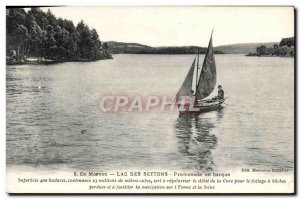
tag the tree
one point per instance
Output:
(287, 42)
(105, 46)
(51, 18)
(21, 38)
(83, 40)
(16, 31)
(262, 50)
(41, 34)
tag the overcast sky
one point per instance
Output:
(178, 26)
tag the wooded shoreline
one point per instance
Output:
(39, 34)
(42, 61)
(286, 48)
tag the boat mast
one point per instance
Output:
(197, 71)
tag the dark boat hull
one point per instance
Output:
(202, 108)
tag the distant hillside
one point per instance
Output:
(135, 48)
(121, 47)
(242, 48)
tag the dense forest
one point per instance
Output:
(36, 33)
(286, 48)
(135, 48)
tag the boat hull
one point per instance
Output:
(203, 108)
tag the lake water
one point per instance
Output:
(49, 106)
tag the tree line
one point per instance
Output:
(286, 48)
(41, 34)
(134, 48)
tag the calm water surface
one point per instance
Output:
(48, 107)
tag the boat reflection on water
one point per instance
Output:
(195, 140)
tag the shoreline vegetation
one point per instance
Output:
(284, 49)
(135, 48)
(37, 37)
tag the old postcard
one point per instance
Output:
(150, 100)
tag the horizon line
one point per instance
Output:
(191, 45)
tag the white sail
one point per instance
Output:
(186, 86)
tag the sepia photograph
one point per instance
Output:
(150, 99)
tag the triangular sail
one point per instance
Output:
(186, 86)
(208, 76)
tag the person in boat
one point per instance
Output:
(220, 95)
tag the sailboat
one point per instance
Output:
(205, 84)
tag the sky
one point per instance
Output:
(183, 26)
